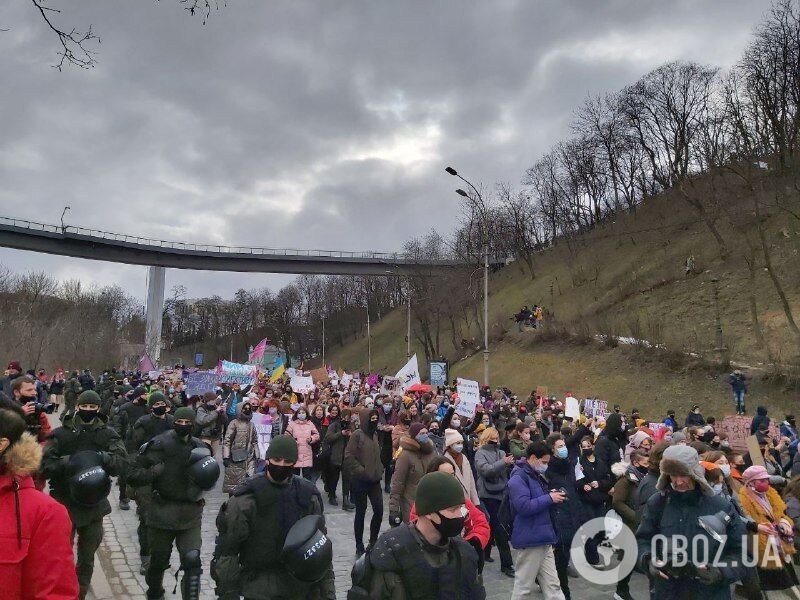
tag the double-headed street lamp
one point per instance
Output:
(485, 252)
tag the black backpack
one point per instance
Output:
(506, 514)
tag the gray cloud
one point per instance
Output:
(309, 124)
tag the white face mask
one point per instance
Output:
(717, 487)
(455, 423)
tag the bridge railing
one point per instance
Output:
(218, 248)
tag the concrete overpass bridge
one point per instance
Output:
(94, 244)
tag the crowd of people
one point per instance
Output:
(517, 475)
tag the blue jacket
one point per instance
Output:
(529, 497)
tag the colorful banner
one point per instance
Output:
(737, 428)
(258, 352)
(372, 380)
(409, 374)
(200, 382)
(277, 370)
(145, 364)
(231, 372)
(263, 425)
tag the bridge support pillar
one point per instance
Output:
(155, 311)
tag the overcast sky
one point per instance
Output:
(308, 124)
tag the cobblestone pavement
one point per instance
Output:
(119, 556)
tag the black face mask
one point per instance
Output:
(449, 527)
(642, 469)
(182, 430)
(159, 410)
(87, 415)
(26, 399)
(587, 452)
(211, 405)
(372, 426)
(279, 472)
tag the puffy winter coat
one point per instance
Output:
(362, 455)
(409, 468)
(240, 435)
(301, 431)
(492, 471)
(531, 502)
(39, 563)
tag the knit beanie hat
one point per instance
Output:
(754, 473)
(678, 436)
(682, 461)
(139, 391)
(89, 397)
(156, 397)
(209, 397)
(184, 412)
(437, 491)
(451, 436)
(283, 446)
(414, 430)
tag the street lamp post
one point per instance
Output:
(323, 341)
(408, 326)
(63, 212)
(485, 252)
(369, 343)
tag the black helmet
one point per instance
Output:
(89, 485)
(203, 468)
(307, 552)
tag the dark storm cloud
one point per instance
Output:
(309, 124)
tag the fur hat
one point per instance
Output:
(451, 436)
(682, 461)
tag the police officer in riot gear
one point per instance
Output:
(256, 527)
(70, 461)
(123, 419)
(176, 507)
(156, 422)
(427, 558)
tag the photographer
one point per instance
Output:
(674, 513)
(24, 392)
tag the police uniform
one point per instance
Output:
(253, 525)
(175, 509)
(144, 430)
(123, 420)
(403, 565)
(73, 437)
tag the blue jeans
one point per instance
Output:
(738, 396)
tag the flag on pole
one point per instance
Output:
(278, 370)
(146, 364)
(258, 352)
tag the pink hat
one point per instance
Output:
(754, 473)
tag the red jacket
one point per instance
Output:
(475, 527)
(36, 560)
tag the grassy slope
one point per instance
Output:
(621, 274)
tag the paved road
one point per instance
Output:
(119, 556)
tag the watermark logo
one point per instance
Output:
(616, 552)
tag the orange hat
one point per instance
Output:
(708, 466)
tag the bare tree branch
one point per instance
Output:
(73, 49)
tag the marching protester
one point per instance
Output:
(35, 530)
(306, 435)
(79, 459)
(416, 453)
(257, 523)
(210, 421)
(623, 500)
(362, 461)
(336, 439)
(239, 448)
(454, 452)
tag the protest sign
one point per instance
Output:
(155, 374)
(656, 429)
(438, 373)
(372, 380)
(346, 380)
(755, 452)
(320, 374)
(572, 409)
(468, 397)
(263, 427)
(302, 384)
(200, 382)
(409, 374)
(390, 385)
(595, 408)
(737, 428)
(231, 372)
(541, 390)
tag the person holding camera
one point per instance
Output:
(24, 392)
(79, 459)
(685, 496)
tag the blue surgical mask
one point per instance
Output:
(423, 438)
(562, 452)
(726, 470)
(301, 417)
(387, 408)
(717, 487)
(541, 469)
(458, 447)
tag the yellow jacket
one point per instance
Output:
(768, 559)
